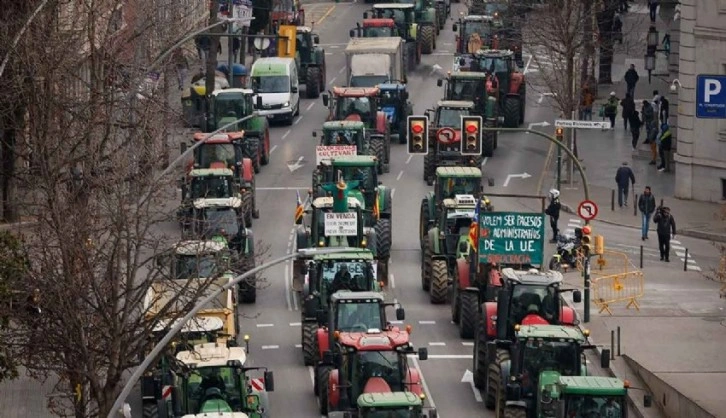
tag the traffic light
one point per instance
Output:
(418, 135)
(471, 133)
(599, 245)
(586, 240)
(560, 133)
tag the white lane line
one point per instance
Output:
(692, 261)
(310, 106)
(437, 344)
(298, 345)
(467, 344)
(332, 80)
(399, 175)
(678, 247)
(673, 241)
(694, 268)
(270, 347)
(295, 324)
(299, 118)
(575, 220)
(393, 192)
(392, 281)
(681, 254)
(265, 325)
(274, 147)
(423, 381)
(408, 160)
(396, 322)
(427, 322)
(341, 70)
(286, 134)
(484, 161)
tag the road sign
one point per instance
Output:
(582, 124)
(511, 238)
(323, 152)
(587, 210)
(711, 96)
(341, 224)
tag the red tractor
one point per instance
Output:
(373, 361)
(376, 28)
(227, 150)
(286, 12)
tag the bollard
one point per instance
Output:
(618, 340)
(612, 199)
(685, 261)
(612, 345)
(635, 204)
(641, 256)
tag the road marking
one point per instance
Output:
(437, 344)
(392, 281)
(396, 322)
(673, 241)
(393, 192)
(298, 345)
(286, 134)
(270, 347)
(441, 53)
(295, 324)
(332, 80)
(310, 106)
(526, 67)
(692, 261)
(274, 147)
(341, 70)
(265, 325)
(467, 344)
(408, 160)
(484, 162)
(281, 188)
(423, 381)
(680, 254)
(326, 14)
(427, 322)
(469, 379)
(399, 176)
(575, 221)
(299, 118)
(694, 268)
(678, 247)
(287, 278)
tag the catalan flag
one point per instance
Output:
(376, 209)
(300, 209)
(474, 227)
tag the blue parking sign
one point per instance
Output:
(711, 96)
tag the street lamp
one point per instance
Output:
(305, 252)
(652, 46)
(675, 84)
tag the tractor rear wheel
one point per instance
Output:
(488, 144)
(441, 14)
(247, 289)
(455, 299)
(312, 82)
(515, 412)
(468, 307)
(150, 410)
(480, 366)
(378, 152)
(426, 265)
(512, 112)
(265, 146)
(309, 343)
(383, 238)
(494, 380)
(439, 281)
(247, 207)
(254, 149)
(402, 131)
(323, 373)
(428, 35)
(429, 169)
(423, 222)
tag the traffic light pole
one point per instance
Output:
(586, 316)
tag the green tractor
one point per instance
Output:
(215, 184)
(393, 404)
(418, 40)
(310, 60)
(344, 133)
(582, 396)
(229, 105)
(427, 14)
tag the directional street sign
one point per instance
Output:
(587, 210)
(511, 238)
(711, 96)
(582, 124)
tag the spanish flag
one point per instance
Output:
(300, 209)
(376, 209)
(474, 227)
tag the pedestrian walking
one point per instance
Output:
(587, 101)
(635, 125)
(665, 141)
(203, 45)
(656, 104)
(182, 67)
(624, 177)
(666, 229)
(646, 205)
(653, 8)
(664, 109)
(553, 211)
(628, 105)
(611, 108)
(651, 130)
(631, 79)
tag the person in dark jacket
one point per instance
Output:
(553, 211)
(611, 109)
(631, 79)
(628, 105)
(623, 178)
(666, 228)
(665, 141)
(664, 109)
(635, 125)
(646, 204)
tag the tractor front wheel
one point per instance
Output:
(323, 373)
(488, 144)
(512, 112)
(402, 131)
(468, 307)
(266, 147)
(384, 238)
(480, 358)
(426, 265)
(429, 169)
(247, 207)
(423, 222)
(309, 343)
(495, 381)
(428, 35)
(150, 410)
(312, 82)
(254, 149)
(379, 153)
(455, 300)
(439, 281)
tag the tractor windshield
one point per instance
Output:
(458, 185)
(379, 32)
(451, 117)
(365, 175)
(213, 389)
(211, 187)
(481, 28)
(228, 107)
(534, 300)
(342, 137)
(220, 221)
(359, 316)
(355, 105)
(466, 89)
(217, 153)
(195, 266)
(392, 412)
(594, 406)
(496, 65)
(386, 365)
(271, 84)
(346, 275)
(398, 16)
(559, 356)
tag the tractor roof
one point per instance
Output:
(532, 276)
(374, 340)
(455, 104)
(471, 172)
(304, 29)
(592, 385)
(355, 91)
(504, 53)
(222, 138)
(393, 6)
(392, 86)
(348, 255)
(373, 45)
(198, 323)
(228, 202)
(352, 161)
(378, 23)
(388, 400)
(551, 332)
(478, 18)
(469, 75)
(349, 125)
(229, 92)
(194, 247)
(205, 172)
(461, 201)
(212, 355)
(350, 297)
(327, 202)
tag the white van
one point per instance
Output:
(275, 81)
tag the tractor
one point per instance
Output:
(583, 396)
(310, 60)
(215, 184)
(393, 404)
(418, 40)
(526, 297)
(426, 15)
(507, 19)
(229, 105)
(475, 32)
(285, 12)
(511, 83)
(479, 88)
(348, 134)
(227, 151)
(394, 103)
(363, 362)
(445, 144)
(376, 28)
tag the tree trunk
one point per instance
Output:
(213, 51)
(605, 25)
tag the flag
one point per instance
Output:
(376, 210)
(300, 209)
(474, 227)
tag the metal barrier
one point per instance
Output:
(615, 279)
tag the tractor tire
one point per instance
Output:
(423, 222)
(247, 207)
(512, 112)
(247, 289)
(555, 264)
(384, 238)
(323, 373)
(265, 147)
(468, 308)
(426, 265)
(441, 14)
(439, 282)
(428, 37)
(515, 412)
(255, 156)
(480, 366)
(455, 300)
(402, 131)
(312, 82)
(378, 151)
(488, 144)
(150, 410)
(494, 380)
(309, 343)
(429, 169)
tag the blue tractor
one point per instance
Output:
(395, 105)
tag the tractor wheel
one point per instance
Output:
(378, 151)
(426, 265)
(309, 343)
(254, 149)
(266, 147)
(402, 131)
(488, 144)
(494, 380)
(555, 264)
(429, 169)
(512, 112)
(247, 290)
(455, 299)
(441, 14)
(423, 222)
(480, 357)
(427, 39)
(467, 314)
(323, 373)
(312, 82)
(384, 238)
(247, 207)
(439, 281)
(515, 412)
(150, 410)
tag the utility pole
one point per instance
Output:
(213, 43)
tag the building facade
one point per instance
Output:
(700, 159)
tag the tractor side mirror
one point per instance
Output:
(326, 99)
(605, 358)
(455, 27)
(351, 33)
(315, 134)
(400, 314)
(316, 39)
(423, 354)
(258, 102)
(577, 296)
(365, 15)
(269, 382)
(647, 401)
(439, 83)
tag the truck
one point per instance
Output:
(373, 61)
